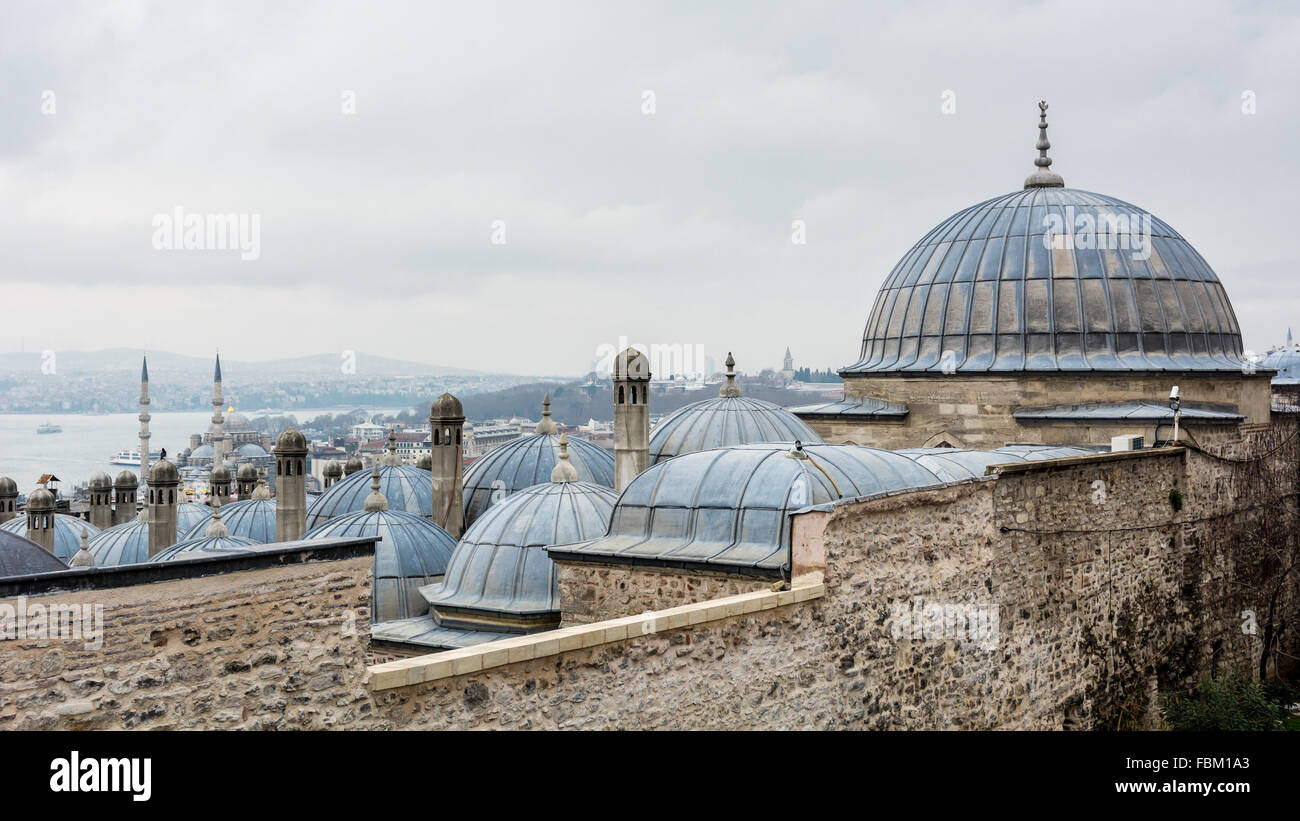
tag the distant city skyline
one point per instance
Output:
(510, 188)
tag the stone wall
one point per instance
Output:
(257, 649)
(591, 592)
(976, 410)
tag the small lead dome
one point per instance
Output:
(126, 479)
(291, 439)
(163, 472)
(727, 420)
(446, 407)
(500, 578)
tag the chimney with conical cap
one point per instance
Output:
(446, 424)
(631, 416)
(290, 486)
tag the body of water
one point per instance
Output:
(88, 443)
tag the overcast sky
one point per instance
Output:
(376, 227)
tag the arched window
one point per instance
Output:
(458, 436)
(437, 436)
(300, 466)
(634, 394)
(620, 394)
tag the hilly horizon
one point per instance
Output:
(323, 364)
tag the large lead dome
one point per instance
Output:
(985, 285)
(1050, 279)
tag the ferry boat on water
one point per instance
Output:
(132, 457)
(49, 427)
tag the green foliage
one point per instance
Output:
(1232, 705)
(1176, 499)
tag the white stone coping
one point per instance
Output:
(435, 666)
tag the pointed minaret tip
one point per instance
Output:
(730, 388)
(216, 374)
(1043, 176)
(144, 368)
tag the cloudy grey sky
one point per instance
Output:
(671, 227)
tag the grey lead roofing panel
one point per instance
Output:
(1129, 412)
(852, 407)
(20, 556)
(984, 285)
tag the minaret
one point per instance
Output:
(144, 420)
(730, 389)
(8, 499)
(787, 366)
(218, 421)
(101, 500)
(290, 486)
(446, 423)
(163, 481)
(124, 490)
(547, 424)
(40, 517)
(1043, 176)
(631, 416)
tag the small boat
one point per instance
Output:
(132, 457)
(49, 427)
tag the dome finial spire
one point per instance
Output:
(1043, 176)
(376, 501)
(215, 528)
(390, 457)
(730, 388)
(564, 471)
(547, 425)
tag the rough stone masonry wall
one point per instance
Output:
(976, 410)
(595, 592)
(260, 649)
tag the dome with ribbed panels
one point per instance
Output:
(1286, 361)
(724, 422)
(127, 543)
(206, 547)
(411, 552)
(500, 569)
(985, 285)
(730, 508)
(248, 518)
(67, 533)
(528, 461)
(190, 514)
(406, 487)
